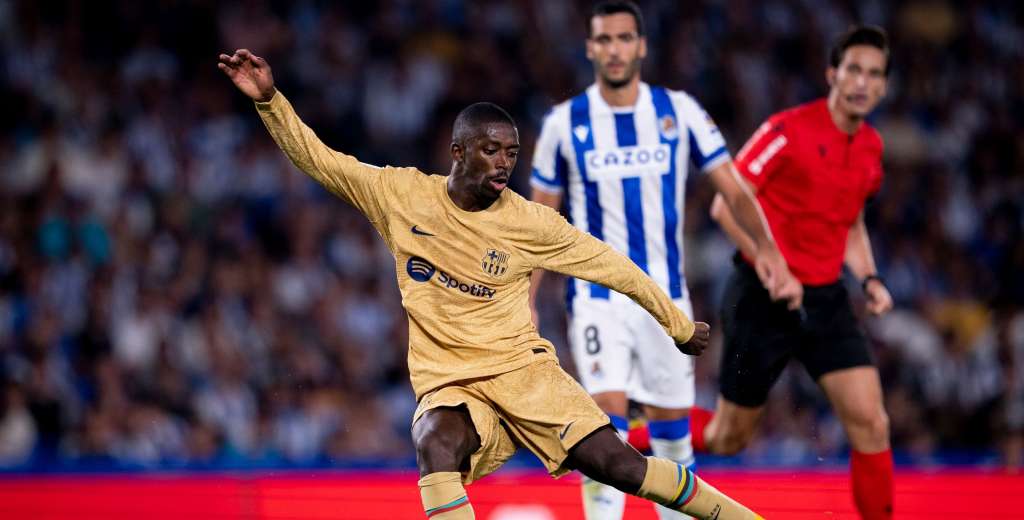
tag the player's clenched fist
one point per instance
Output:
(698, 342)
(250, 74)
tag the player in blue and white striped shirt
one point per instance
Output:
(617, 155)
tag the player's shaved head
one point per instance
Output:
(472, 120)
(485, 145)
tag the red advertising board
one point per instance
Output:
(503, 496)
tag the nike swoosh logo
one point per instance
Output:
(565, 430)
(417, 231)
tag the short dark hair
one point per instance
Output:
(609, 7)
(471, 117)
(872, 35)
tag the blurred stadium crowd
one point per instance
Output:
(173, 293)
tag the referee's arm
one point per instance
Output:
(861, 261)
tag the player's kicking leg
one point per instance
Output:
(604, 457)
(601, 501)
(444, 439)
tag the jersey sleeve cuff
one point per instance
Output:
(538, 181)
(267, 106)
(716, 158)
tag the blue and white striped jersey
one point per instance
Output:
(623, 173)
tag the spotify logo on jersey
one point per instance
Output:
(423, 271)
(419, 269)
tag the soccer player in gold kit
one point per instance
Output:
(464, 249)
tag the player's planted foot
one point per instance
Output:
(444, 498)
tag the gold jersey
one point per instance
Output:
(465, 275)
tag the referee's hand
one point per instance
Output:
(879, 301)
(776, 277)
(698, 342)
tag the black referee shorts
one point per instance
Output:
(761, 336)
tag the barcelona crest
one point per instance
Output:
(495, 262)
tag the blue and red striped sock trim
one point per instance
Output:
(450, 506)
(687, 488)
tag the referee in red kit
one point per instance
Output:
(812, 168)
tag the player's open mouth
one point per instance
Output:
(858, 99)
(499, 183)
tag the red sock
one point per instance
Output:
(872, 484)
(699, 419)
(640, 438)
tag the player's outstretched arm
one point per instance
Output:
(565, 249)
(344, 175)
(250, 73)
(698, 342)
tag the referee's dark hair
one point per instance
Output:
(872, 35)
(609, 7)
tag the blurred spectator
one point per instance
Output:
(17, 429)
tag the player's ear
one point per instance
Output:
(643, 48)
(830, 76)
(457, 152)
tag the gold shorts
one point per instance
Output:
(538, 406)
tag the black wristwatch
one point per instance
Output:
(868, 278)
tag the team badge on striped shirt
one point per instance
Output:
(495, 262)
(668, 127)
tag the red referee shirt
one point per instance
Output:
(812, 180)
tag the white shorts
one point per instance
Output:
(620, 347)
